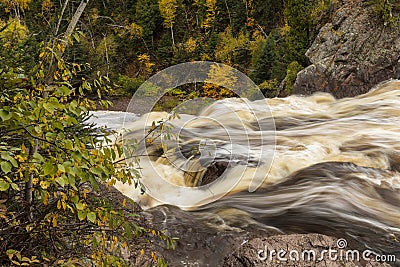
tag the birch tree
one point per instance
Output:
(168, 12)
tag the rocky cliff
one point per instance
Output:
(352, 53)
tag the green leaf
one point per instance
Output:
(82, 214)
(71, 181)
(91, 216)
(63, 91)
(38, 129)
(75, 199)
(5, 167)
(61, 168)
(79, 206)
(58, 125)
(96, 170)
(68, 144)
(15, 186)
(76, 156)
(14, 162)
(114, 156)
(128, 230)
(38, 157)
(72, 121)
(94, 183)
(4, 185)
(49, 169)
(11, 251)
(5, 115)
(49, 107)
(72, 171)
(60, 181)
(76, 36)
(6, 156)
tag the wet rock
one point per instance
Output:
(351, 54)
(204, 238)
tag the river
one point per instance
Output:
(318, 164)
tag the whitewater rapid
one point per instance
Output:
(327, 165)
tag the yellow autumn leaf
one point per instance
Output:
(44, 185)
(85, 191)
(46, 199)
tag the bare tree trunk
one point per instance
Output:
(61, 16)
(75, 19)
(229, 14)
(247, 12)
(262, 30)
(50, 72)
(107, 59)
(172, 36)
(71, 26)
(29, 183)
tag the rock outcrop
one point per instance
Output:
(351, 54)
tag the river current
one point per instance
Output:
(317, 165)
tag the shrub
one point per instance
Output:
(291, 75)
(385, 9)
(51, 163)
(177, 92)
(129, 85)
(269, 88)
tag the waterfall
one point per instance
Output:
(326, 165)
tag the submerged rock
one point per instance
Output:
(351, 54)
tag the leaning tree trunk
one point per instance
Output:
(75, 19)
(67, 34)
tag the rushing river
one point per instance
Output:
(335, 167)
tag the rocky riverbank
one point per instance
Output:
(202, 245)
(352, 53)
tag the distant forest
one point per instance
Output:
(129, 41)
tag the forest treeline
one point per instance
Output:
(128, 41)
